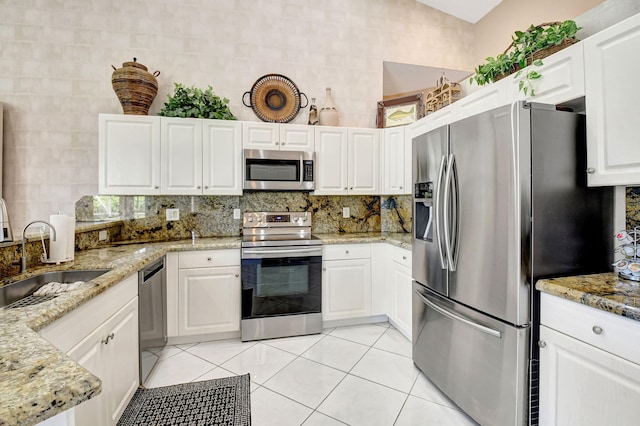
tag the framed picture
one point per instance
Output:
(400, 111)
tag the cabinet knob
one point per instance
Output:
(156, 187)
(278, 143)
(591, 170)
(206, 187)
(237, 275)
(324, 269)
(400, 187)
(198, 187)
(351, 188)
(597, 329)
(109, 337)
(404, 257)
(345, 188)
(346, 251)
(542, 344)
(209, 259)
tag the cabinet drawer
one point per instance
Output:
(208, 258)
(609, 332)
(402, 256)
(346, 251)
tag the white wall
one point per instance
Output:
(56, 57)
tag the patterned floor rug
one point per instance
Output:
(219, 402)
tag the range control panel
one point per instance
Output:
(276, 219)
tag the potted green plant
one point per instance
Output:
(528, 47)
(196, 103)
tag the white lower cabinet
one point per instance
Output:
(346, 281)
(589, 366)
(400, 314)
(102, 336)
(203, 290)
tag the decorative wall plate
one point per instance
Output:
(275, 98)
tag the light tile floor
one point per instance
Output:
(359, 375)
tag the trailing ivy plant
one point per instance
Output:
(196, 103)
(520, 53)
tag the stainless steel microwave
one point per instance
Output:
(271, 170)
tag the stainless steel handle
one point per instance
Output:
(455, 230)
(301, 170)
(109, 337)
(448, 231)
(479, 327)
(436, 214)
(597, 329)
(278, 251)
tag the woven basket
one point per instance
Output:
(135, 87)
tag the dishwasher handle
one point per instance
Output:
(148, 273)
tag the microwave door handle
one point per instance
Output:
(455, 317)
(301, 171)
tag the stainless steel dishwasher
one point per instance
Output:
(152, 314)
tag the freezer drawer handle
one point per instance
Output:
(479, 327)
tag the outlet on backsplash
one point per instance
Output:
(346, 212)
(173, 214)
(103, 235)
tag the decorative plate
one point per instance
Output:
(275, 98)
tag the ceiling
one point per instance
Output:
(468, 10)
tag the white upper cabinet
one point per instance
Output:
(128, 154)
(277, 136)
(613, 128)
(142, 155)
(364, 161)
(348, 161)
(331, 147)
(562, 78)
(222, 157)
(181, 141)
(396, 161)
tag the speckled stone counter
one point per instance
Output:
(37, 380)
(606, 291)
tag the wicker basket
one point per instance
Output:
(547, 51)
(135, 87)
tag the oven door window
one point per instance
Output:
(281, 286)
(262, 170)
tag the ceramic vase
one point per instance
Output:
(328, 113)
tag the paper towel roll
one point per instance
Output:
(62, 249)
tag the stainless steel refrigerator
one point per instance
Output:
(500, 201)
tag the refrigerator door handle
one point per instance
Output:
(437, 208)
(446, 313)
(451, 201)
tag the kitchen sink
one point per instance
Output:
(19, 293)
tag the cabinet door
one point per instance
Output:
(396, 170)
(208, 300)
(583, 385)
(364, 161)
(121, 360)
(222, 157)
(331, 160)
(562, 78)
(111, 353)
(346, 289)
(181, 142)
(296, 137)
(491, 96)
(128, 155)
(401, 299)
(613, 151)
(257, 135)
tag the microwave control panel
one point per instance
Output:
(307, 174)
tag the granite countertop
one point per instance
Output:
(605, 291)
(39, 381)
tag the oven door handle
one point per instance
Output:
(297, 252)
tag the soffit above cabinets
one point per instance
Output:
(470, 11)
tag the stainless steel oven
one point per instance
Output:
(281, 276)
(278, 170)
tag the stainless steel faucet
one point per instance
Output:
(24, 251)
